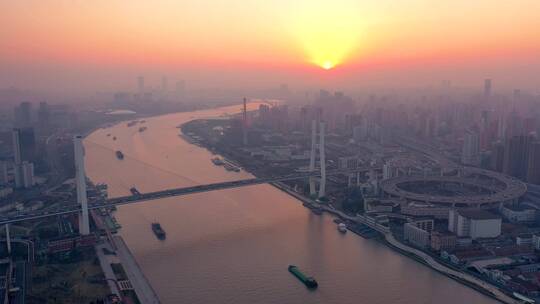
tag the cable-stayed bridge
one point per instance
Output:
(149, 196)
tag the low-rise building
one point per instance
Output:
(524, 239)
(474, 223)
(536, 241)
(415, 235)
(424, 209)
(443, 241)
(519, 214)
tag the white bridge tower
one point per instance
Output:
(322, 158)
(80, 179)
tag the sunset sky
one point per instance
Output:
(106, 43)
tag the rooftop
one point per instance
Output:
(478, 214)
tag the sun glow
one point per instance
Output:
(329, 35)
(327, 65)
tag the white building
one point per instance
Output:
(536, 241)
(415, 235)
(524, 239)
(474, 223)
(519, 214)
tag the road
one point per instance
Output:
(145, 292)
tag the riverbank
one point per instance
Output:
(389, 240)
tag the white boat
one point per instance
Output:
(341, 227)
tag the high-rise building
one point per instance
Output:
(28, 174)
(3, 173)
(497, 157)
(533, 166)
(470, 150)
(164, 84)
(44, 115)
(24, 145)
(516, 156)
(140, 84)
(23, 115)
(487, 88)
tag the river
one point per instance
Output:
(234, 246)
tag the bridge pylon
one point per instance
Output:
(322, 158)
(80, 179)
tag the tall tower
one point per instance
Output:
(244, 123)
(322, 159)
(322, 186)
(140, 84)
(80, 178)
(17, 158)
(487, 88)
(312, 190)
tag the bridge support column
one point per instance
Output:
(8, 239)
(312, 190)
(322, 186)
(80, 179)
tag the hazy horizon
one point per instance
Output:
(104, 45)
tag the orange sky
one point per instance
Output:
(282, 39)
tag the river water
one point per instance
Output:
(234, 246)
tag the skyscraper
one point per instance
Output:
(43, 116)
(487, 88)
(516, 152)
(140, 84)
(164, 84)
(24, 145)
(23, 115)
(470, 150)
(533, 166)
(3, 173)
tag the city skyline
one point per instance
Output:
(91, 46)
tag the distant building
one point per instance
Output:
(3, 173)
(23, 115)
(424, 224)
(28, 174)
(471, 149)
(487, 88)
(44, 116)
(424, 209)
(519, 214)
(533, 165)
(5, 191)
(516, 155)
(536, 241)
(24, 145)
(474, 223)
(524, 239)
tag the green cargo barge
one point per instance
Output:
(308, 281)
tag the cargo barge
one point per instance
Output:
(308, 281)
(158, 231)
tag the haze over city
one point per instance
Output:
(100, 45)
(216, 152)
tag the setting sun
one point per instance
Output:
(327, 65)
(328, 34)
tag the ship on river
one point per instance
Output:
(158, 231)
(308, 281)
